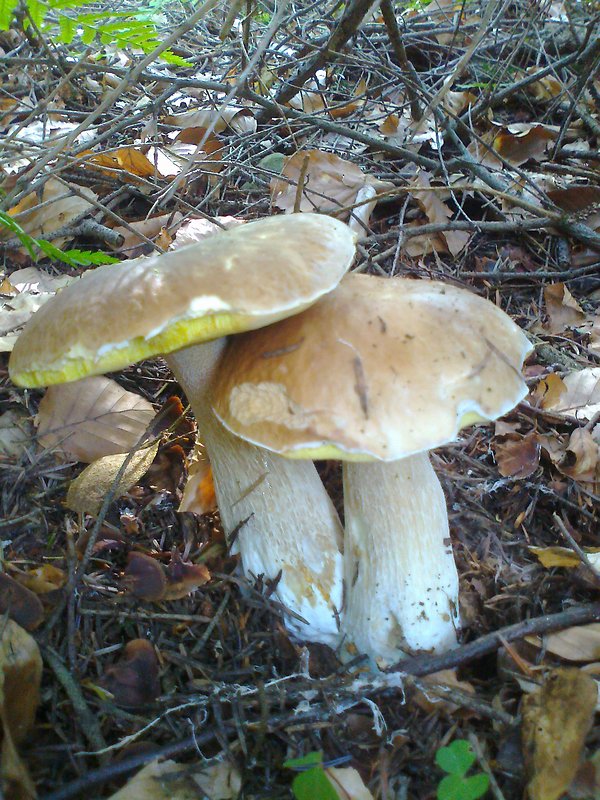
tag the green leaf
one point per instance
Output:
(7, 13)
(456, 787)
(67, 29)
(313, 785)
(457, 758)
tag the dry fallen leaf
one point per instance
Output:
(60, 204)
(563, 557)
(133, 680)
(26, 290)
(348, 784)
(126, 163)
(240, 120)
(15, 433)
(581, 398)
(41, 580)
(556, 720)
(152, 228)
(436, 210)
(196, 229)
(517, 456)
(579, 643)
(20, 677)
(330, 183)
(562, 308)
(19, 603)
(87, 492)
(146, 578)
(92, 418)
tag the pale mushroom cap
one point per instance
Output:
(379, 369)
(236, 280)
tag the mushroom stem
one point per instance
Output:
(401, 579)
(277, 511)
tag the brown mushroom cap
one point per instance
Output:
(236, 280)
(379, 369)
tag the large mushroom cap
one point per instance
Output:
(237, 280)
(379, 369)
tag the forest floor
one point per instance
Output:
(479, 127)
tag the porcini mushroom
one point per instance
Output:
(167, 304)
(381, 370)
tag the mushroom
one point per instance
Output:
(253, 275)
(381, 370)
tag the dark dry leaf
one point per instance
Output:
(145, 577)
(133, 681)
(184, 578)
(20, 604)
(517, 456)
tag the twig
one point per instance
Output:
(581, 553)
(483, 763)
(425, 665)
(88, 722)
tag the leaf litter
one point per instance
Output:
(492, 186)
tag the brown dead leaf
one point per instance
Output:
(183, 578)
(517, 456)
(87, 492)
(556, 720)
(579, 643)
(125, 163)
(220, 781)
(20, 677)
(152, 228)
(133, 680)
(240, 120)
(145, 577)
(330, 182)
(168, 780)
(434, 702)
(436, 210)
(19, 603)
(546, 88)
(581, 398)
(562, 308)
(582, 455)
(523, 142)
(167, 469)
(59, 204)
(15, 433)
(92, 418)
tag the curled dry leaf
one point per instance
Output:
(92, 418)
(556, 720)
(562, 308)
(581, 398)
(146, 578)
(330, 183)
(19, 603)
(549, 391)
(133, 680)
(436, 211)
(59, 205)
(20, 676)
(126, 163)
(87, 492)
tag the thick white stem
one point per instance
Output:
(281, 515)
(401, 579)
